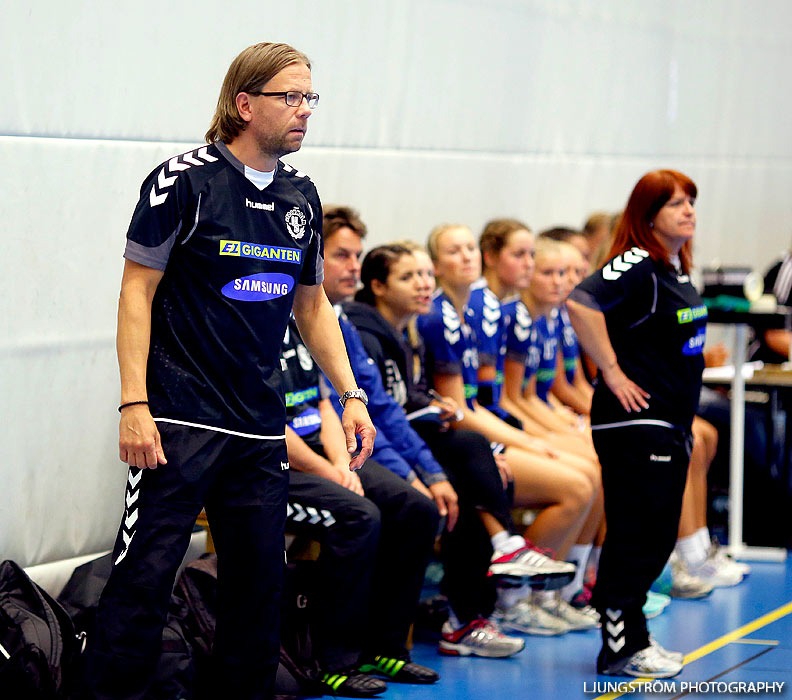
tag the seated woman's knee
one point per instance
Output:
(579, 491)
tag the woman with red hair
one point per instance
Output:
(642, 322)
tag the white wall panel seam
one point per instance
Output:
(510, 155)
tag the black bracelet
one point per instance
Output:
(131, 403)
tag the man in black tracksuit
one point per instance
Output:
(225, 242)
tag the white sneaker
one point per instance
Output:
(578, 619)
(683, 584)
(527, 565)
(718, 571)
(529, 618)
(719, 553)
(478, 638)
(676, 656)
(646, 663)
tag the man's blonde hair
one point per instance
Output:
(249, 72)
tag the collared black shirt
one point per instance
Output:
(232, 256)
(657, 323)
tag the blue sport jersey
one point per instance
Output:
(232, 256)
(547, 345)
(568, 341)
(489, 328)
(450, 344)
(521, 344)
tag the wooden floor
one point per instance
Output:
(741, 634)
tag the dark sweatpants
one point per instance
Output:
(374, 552)
(467, 459)
(243, 484)
(644, 468)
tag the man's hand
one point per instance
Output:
(446, 499)
(348, 479)
(630, 395)
(418, 485)
(139, 440)
(356, 421)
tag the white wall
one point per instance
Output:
(430, 111)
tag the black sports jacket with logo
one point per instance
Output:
(657, 323)
(232, 256)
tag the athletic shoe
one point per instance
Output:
(655, 604)
(719, 554)
(646, 663)
(718, 572)
(578, 619)
(662, 584)
(676, 656)
(400, 670)
(352, 683)
(684, 585)
(528, 565)
(582, 598)
(528, 618)
(478, 638)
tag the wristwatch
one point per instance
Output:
(353, 394)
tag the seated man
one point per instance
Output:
(369, 581)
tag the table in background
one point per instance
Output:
(760, 322)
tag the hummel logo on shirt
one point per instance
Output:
(659, 458)
(260, 205)
(621, 263)
(165, 178)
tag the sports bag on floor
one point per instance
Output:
(298, 671)
(38, 643)
(175, 674)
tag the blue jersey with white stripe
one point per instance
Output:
(450, 344)
(489, 326)
(521, 342)
(567, 341)
(547, 345)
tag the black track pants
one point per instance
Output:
(243, 484)
(374, 552)
(409, 523)
(347, 526)
(467, 459)
(644, 468)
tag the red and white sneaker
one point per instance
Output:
(478, 638)
(530, 566)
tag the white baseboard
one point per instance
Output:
(52, 576)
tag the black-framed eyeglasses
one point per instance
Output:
(293, 98)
